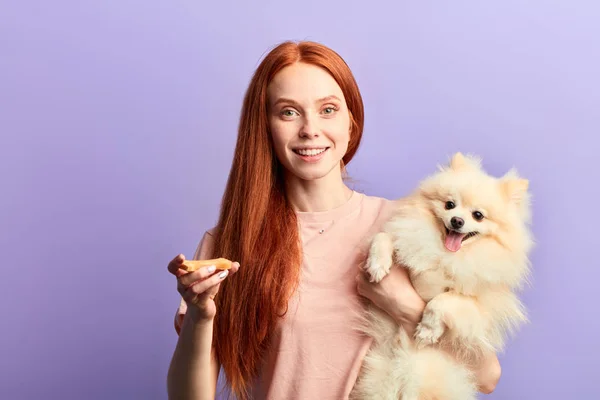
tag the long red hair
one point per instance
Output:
(257, 226)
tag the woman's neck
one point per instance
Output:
(317, 195)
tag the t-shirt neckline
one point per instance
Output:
(335, 213)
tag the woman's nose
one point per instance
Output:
(309, 128)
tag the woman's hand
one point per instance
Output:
(198, 288)
(395, 295)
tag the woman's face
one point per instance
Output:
(309, 121)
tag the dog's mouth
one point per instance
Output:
(454, 239)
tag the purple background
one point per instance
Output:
(118, 121)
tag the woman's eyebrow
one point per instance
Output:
(321, 100)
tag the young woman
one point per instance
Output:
(281, 324)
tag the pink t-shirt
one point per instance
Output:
(316, 350)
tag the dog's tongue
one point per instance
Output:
(454, 240)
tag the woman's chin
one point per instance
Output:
(314, 172)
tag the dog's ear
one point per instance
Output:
(460, 161)
(516, 191)
(515, 188)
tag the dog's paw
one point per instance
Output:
(429, 330)
(426, 336)
(376, 269)
(380, 259)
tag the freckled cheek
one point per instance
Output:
(281, 133)
(281, 145)
(341, 144)
(339, 134)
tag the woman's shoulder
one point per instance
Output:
(377, 209)
(376, 199)
(379, 203)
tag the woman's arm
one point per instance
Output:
(194, 369)
(396, 296)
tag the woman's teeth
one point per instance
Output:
(310, 152)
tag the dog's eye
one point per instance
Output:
(477, 215)
(450, 205)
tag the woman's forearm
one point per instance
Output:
(409, 315)
(194, 370)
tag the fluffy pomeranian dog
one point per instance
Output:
(464, 237)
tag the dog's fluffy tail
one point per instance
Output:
(380, 368)
(396, 369)
(430, 373)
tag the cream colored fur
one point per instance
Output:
(472, 305)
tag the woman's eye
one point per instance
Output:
(288, 113)
(329, 110)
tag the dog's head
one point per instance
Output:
(471, 205)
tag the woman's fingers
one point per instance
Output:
(199, 287)
(190, 278)
(196, 285)
(174, 266)
(202, 286)
(234, 267)
(202, 273)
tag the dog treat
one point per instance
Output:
(193, 265)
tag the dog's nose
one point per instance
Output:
(457, 222)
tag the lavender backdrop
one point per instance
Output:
(118, 121)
